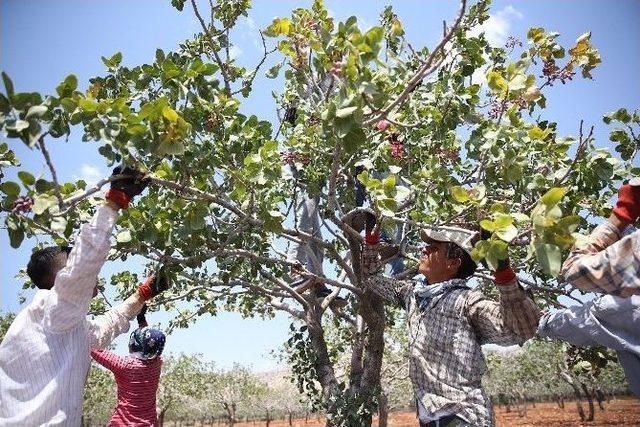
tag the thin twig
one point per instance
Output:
(54, 175)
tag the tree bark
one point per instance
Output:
(323, 365)
(565, 376)
(383, 410)
(600, 397)
(587, 393)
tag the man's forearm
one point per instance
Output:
(116, 321)
(519, 312)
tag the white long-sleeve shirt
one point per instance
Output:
(44, 357)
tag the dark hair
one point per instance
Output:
(467, 265)
(44, 265)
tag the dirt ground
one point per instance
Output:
(620, 412)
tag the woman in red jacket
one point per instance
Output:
(137, 375)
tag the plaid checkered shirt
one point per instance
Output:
(609, 263)
(446, 363)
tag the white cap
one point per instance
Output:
(460, 236)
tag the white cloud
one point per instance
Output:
(90, 174)
(497, 28)
(252, 32)
(235, 52)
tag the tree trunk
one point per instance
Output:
(268, 418)
(291, 418)
(383, 410)
(323, 365)
(600, 397)
(565, 376)
(161, 416)
(587, 393)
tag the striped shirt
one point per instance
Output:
(446, 363)
(609, 263)
(137, 387)
(44, 357)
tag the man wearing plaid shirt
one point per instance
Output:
(448, 322)
(608, 264)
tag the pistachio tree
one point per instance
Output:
(449, 135)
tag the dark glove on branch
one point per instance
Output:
(124, 189)
(154, 285)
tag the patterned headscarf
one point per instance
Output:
(146, 343)
(426, 294)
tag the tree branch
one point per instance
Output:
(54, 175)
(423, 71)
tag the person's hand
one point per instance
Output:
(124, 189)
(154, 285)
(503, 264)
(628, 204)
(503, 273)
(142, 320)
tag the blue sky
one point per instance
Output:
(41, 42)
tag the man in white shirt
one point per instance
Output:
(44, 357)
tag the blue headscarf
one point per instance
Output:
(426, 294)
(146, 343)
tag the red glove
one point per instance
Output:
(503, 276)
(154, 285)
(119, 197)
(628, 205)
(372, 237)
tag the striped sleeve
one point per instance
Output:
(511, 321)
(68, 300)
(608, 263)
(109, 360)
(391, 290)
(104, 329)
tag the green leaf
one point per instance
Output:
(272, 73)
(21, 125)
(622, 115)
(88, 104)
(550, 258)
(518, 82)
(496, 82)
(26, 178)
(43, 202)
(16, 235)
(353, 139)
(553, 196)
(345, 112)
(67, 87)
(8, 84)
(58, 224)
(43, 185)
(507, 233)
(171, 147)
(488, 225)
(10, 188)
(36, 110)
(170, 114)
(537, 133)
(113, 61)
(535, 34)
(459, 194)
(124, 236)
(279, 26)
